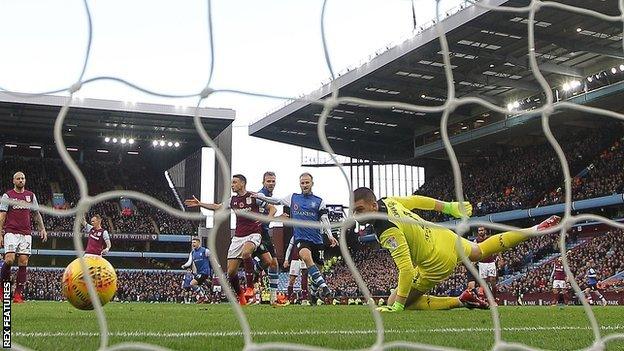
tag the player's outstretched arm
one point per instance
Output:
(431, 204)
(194, 202)
(189, 262)
(86, 227)
(393, 239)
(268, 199)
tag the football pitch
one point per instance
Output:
(58, 326)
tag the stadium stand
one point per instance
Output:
(536, 173)
(48, 176)
(162, 286)
(606, 250)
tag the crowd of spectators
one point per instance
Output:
(521, 177)
(162, 286)
(46, 176)
(43, 284)
(150, 286)
(376, 267)
(606, 250)
(604, 176)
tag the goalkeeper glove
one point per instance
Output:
(452, 208)
(396, 307)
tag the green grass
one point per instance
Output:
(340, 327)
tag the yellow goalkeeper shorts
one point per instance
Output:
(444, 258)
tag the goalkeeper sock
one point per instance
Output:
(273, 281)
(428, 302)
(501, 242)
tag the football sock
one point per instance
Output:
(6, 272)
(312, 291)
(304, 284)
(290, 291)
(501, 242)
(21, 279)
(317, 277)
(428, 302)
(235, 283)
(249, 270)
(273, 281)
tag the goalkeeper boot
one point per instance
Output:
(471, 300)
(549, 222)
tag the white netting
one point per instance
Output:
(451, 103)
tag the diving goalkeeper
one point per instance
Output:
(426, 255)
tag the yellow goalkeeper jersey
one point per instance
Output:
(423, 253)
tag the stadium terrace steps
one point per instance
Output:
(507, 280)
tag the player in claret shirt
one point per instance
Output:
(558, 278)
(99, 242)
(487, 265)
(15, 231)
(247, 235)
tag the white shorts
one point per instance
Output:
(18, 243)
(559, 284)
(216, 288)
(236, 246)
(296, 266)
(487, 269)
